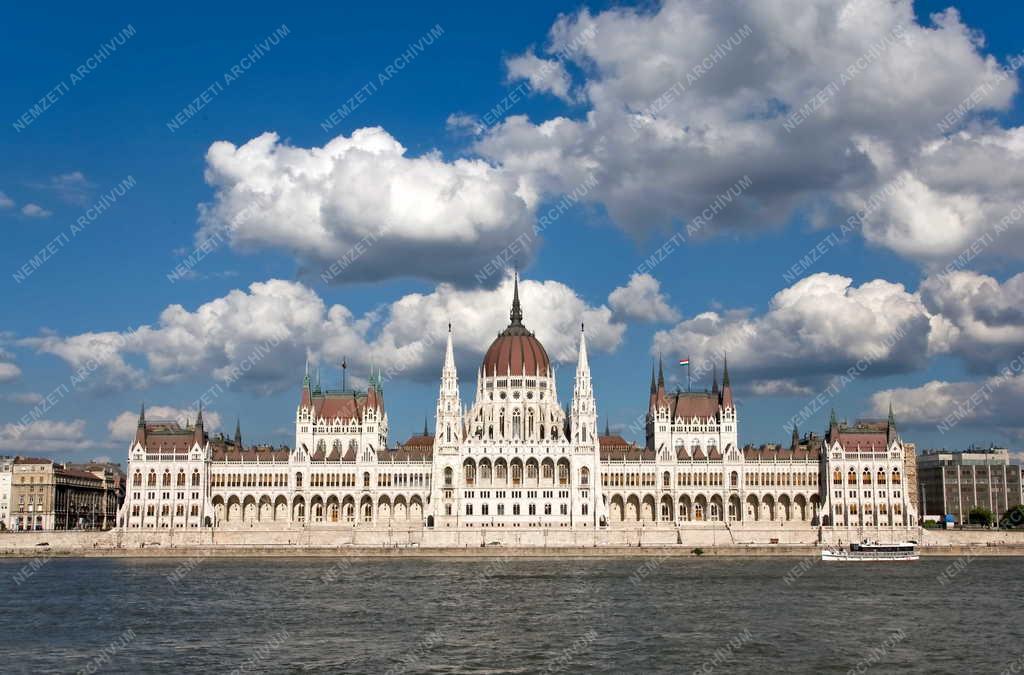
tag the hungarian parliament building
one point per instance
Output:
(517, 459)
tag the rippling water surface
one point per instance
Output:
(510, 616)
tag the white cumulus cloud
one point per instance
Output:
(363, 206)
(258, 338)
(35, 211)
(641, 298)
(820, 326)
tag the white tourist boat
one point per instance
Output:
(871, 552)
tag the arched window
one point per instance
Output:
(448, 432)
(554, 433)
(181, 478)
(298, 479)
(137, 479)
(548, 471)
(734, 479)
(321, 445)
(167, 478)
(366, 479)
(500, 472)
(517, 422)
(195, 478)
(666, 480)
(529, 424)
(517, 474)
(895, 476)
(563, 474)
(531, 471)
(837, 477)
(584, 476)
(448, 476)
(866, 477)
(880, 478)
(851, 477)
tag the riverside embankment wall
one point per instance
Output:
(713, 540)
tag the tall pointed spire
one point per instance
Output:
(198, 437)
(584, 363)
(607, 429)
(238, 433)
(426, 432)
(140, 433)
(516, 315)
(892, 417)
(654, 388)
(661, 373)
(726, 384)
(448, 426)
(794, 442)
(714, 379)
(583, 416)
(449, 353)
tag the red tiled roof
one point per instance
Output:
(688, 405)
(75, 473)
(419, 441)
(867, 441)
(32, 460)
(613, 441)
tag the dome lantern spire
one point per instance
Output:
(516, 315)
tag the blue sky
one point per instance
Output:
(654, 176)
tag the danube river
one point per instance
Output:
(511, 615)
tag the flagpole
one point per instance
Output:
(687, 374)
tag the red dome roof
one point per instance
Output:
(514, 353)
(516, 350)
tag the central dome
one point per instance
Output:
(516, 350)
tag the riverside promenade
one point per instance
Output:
(486, 542)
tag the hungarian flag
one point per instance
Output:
(684, 362)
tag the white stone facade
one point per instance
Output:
(514, 459)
